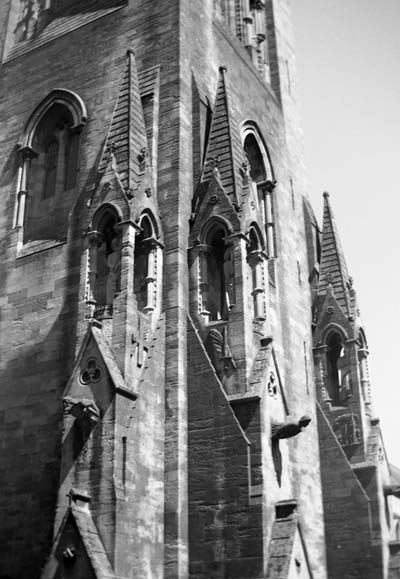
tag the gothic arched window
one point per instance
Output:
(261, 177)
(47, 178)
(255, 260)
(217, 274)
(255, 158)
(146, 263)
(106, 262)
(338, 366)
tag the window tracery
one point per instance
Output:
(49, 155)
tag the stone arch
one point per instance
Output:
(256, 153)
(337, 366)
(49, 164)
(255, 261)
(147, 263)
(217, 284)
(105, 259)
(67, 98)
(260, 177)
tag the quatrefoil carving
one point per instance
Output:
(91, 373)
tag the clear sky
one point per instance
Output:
(348, 66)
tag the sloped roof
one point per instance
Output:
(79, 517)
(127, 138)
(110, 361)
(224, 147)
(333, 267)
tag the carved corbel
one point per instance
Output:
(280, 430)
(84, 410)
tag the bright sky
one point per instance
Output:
(348, 60)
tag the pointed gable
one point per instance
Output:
(79, 543)
(333, 268)
(95, 347)
(126, 137)
(224, 149)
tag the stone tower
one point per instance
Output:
(157, 388)
(360, 488)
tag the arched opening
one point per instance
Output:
(108, 264)
(261, 179)
(338, 365)
(145, 266)
(49, 158)
(255, 258)
(255, 159)
(46, 209)
(335, 347)
(218, 290)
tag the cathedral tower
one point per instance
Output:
(158, 392)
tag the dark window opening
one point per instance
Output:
(255, 159)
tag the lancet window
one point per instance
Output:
(217, 278)
(338, 370)
(47, 176)
(255, 260)
(105, 262)
(259, 172)
(147, 257)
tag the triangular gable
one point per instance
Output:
(78, 543)
(212, 201)
(127, 133)
(95, 341)
(288, 557)
(328, 312)
(224, 147)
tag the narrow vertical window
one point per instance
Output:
(217, 278)
(145, 267)
(107, 265)
(255, 260)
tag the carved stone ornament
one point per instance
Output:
(91, 373)
(82, 409)
(330, 310)
(289, 429)
(213, 199)
(272, 385)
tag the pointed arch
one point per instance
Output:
(259, 173)
(256, 152)
(49, 163)
(147, 266)
(337, 363)
(105, 259)
(217, 285)
(255, 260)
(66, 98)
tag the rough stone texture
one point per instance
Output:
(179, 469)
